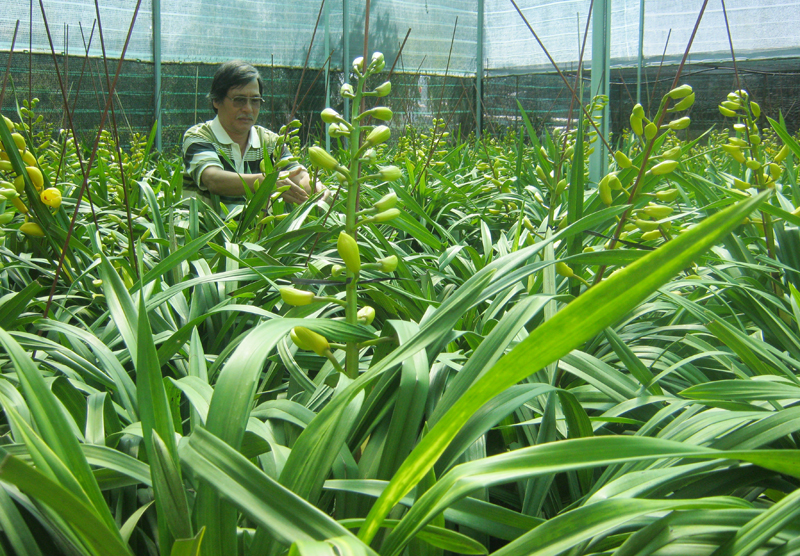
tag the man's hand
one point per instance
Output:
(300, 187)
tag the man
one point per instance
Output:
(220, 154)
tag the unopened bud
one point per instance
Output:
(664, 167)
(680, 92)
(684, 104)
(348, 251)
(680, 123)
(564, 270)
(388, 264)
(390, 173)
(329, 116)
(386, 202)
(384, 88)
(386, 215)
(638, 111)
(347, 91)
(755, 109)
(379, 135)
(622, 160)
(366, 315)
(51, 197)
(650, 131)
(293, 296)
(322, 158)
(636, 125)
(309, 340)
(32, 229)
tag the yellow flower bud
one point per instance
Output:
(19, 205)
(753, 164)
(9, 124)
(613, 182)
(726, 112)
(638, 111)
(672, 154)
(775, 171)
(32, 229)
(51, 197)
(348, 251)
(651, 235)
(293, 296)
(19, 140)
(28, 158)
(731, 104)
(755, 109)
(309, 340)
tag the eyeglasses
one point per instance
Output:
(241, 102)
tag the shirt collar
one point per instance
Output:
(224, 138)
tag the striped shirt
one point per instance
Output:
(208, 144)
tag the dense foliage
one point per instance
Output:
(549, 365)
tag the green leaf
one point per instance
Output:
(599, 307)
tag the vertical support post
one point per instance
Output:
(327, 71)
(479, 73)
(601, 67)
(641, 53)
(346, 51)
(157, 69)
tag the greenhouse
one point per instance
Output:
(399, 278)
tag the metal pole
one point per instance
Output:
(157, 69)
(479, 73)
(601, 65)
(327, 71)
(346, 51)
(641, 53)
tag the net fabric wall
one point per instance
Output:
(115, 17)
(758, 30)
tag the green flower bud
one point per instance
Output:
(358, 65)
(379, 135)
(731, 104)
(293, 296)
(650, 131)
(604, 191)
(664, 167)
(673, 154)
(348, 251)
(636, 125)
(390, 173)
(646, 225)
(378, 63)
(32, 229)
(638, 111)
(309, 340)
(6, 217)
(737, 141)
(684, 104)
(739, 184)
(347, 91)
(752, 164)
(564, 270)
(322, 158)
(336, 270)
(755, 109)
(386, 202)
(388, 264)
(329, 116)
(782, 154)
(726, 112)
(657, 211)
(386, 215)
(613, 182)
(735, 152)
(680, 92)
(366, 315)
(680, 123)
(651, 235)
(755, 139)
(381, 113)
(622, 160)
(667, 195)
(384, 88)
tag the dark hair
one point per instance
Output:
(232, 74)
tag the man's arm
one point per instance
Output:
(222, 182)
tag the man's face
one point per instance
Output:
(237, 120)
